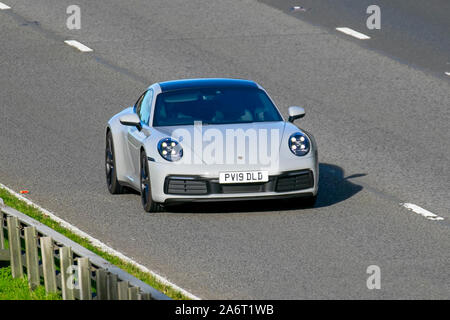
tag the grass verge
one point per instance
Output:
(11, 201)
(18, 289)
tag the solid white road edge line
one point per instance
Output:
(427, 214)
(97, 243)
(4, 6)
(353, 33)
(78, 45)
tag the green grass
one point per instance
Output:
(13, 202)
(18, 289)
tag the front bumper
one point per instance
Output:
(175, 184)
(246, 198)
(199, 186)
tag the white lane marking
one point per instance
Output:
(4, 6)
(448, 73)
(78, 45)
(427, 214)
(97, 243)
(353, 33)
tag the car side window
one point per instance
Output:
(145, 107)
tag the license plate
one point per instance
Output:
(243, 177)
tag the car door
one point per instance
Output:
(135, 136)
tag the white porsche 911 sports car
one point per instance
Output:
(209, 140)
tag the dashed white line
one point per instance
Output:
(353, 33)
(97, 243)
(4, 6)
(78, 45)
(427, 214)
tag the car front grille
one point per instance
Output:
(295, 181)
(243, 188)
(192, 185)
(186, 186)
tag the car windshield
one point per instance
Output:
(213, 106)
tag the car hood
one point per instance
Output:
(261, 138)
(170, 130)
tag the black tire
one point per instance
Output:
(146, 192)
(114, 186)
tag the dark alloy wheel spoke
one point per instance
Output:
(112, 183)
(109, 163)
(145, 184)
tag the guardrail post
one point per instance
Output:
(32, 257)
(100, 279)
(4, 253)
(133, 293)
(15, 248)
(112, 287)
(2, 236)
(66, 265)
(144, 296)
(84, 274)
(122, 289)
(48, 264)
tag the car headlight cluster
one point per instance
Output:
(299, 144)
(170, 149)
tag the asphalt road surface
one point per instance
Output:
(413, 32)
(379, 109)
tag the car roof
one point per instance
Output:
(206, 83)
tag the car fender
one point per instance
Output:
(124, 166)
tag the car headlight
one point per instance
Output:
(299, 144)
(170, 149)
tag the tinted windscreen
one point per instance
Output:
(213, 106)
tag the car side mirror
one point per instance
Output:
(131, 120)
(296, 113)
